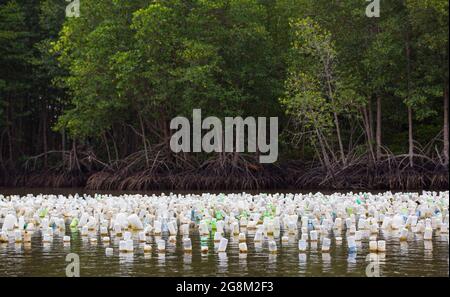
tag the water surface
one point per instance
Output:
(411, 258)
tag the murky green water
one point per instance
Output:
(410, 258)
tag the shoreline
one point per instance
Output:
(228, 179)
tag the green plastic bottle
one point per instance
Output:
(74, 223)
(43, 213)
(219, 215)
(213, 224)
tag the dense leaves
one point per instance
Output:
(107, 84)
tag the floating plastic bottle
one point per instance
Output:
(362, 224)
(223, 245)
(172, 229)
(204, 249)
(161, 245)
(251, 225)
(84, 231)
(74, 223)
(26, 237)
(373, 246)
(30, 227)
(313, 235)
(157, 228)
(127, 235)
(134, 222)
(235, 228)
(404, 234)
(337, 223)
(47, 238)
(352, 229)
(414, 220)
(348, 223)
(326, 243)
(118, 230)
(304, 230)
(123, 248)
(242, 237)
(243, 222)
(381, 246)
(109, 251)
(305, 236)
(9, 222)
(18, 236)
(302, 245)
(184, 229)
(187, 245)
(272, 246)
(103, 230)
(258, 237)
(242, 247)
(3, 237)
(142, 237)
(374, 229)
(147, 248)
(217, 237)
(269, 228)
(428, 235)
(220, 226)
(203, 228)
(351, 243)
(386, 223)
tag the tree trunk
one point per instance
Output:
(44, 134)
(338, 133)
(63, 146)
(368, 133)
(324, 153)
(144, 141)
(410, 136)
(378, 133)
(105, 140)
(408, 96)
(446, 144)
(336, 119)
(370, 119)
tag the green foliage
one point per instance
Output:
(125, 68)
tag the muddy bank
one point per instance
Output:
(245, 174)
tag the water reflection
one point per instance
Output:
(161, 259)
(243, 261)
(326, 262)
(126, 258)
(222, 263)
(302, 262)
(351, 262)
(404, 248)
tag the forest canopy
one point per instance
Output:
(88, 100)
